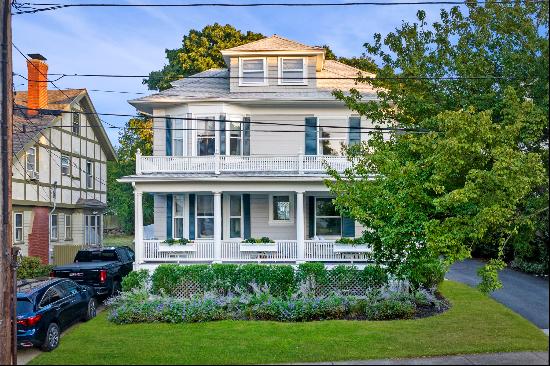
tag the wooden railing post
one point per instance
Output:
(216, 163)
(300, 162)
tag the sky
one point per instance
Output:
(132, 40)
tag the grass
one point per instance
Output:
(118, 240)
(474, 324)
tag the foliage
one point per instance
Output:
(489, 276)
(351, 241)
(180, 241)
(132, 307)
(137, 134)
(32, 267)
(536, 268)
(262, 240)
(135, 280)
(281, 280)
(200, 51)
(478, 168)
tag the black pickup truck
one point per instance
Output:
(102, 269)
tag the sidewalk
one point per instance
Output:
(512, 358)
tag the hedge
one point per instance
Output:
(282, 280)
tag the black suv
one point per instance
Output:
(46, 306)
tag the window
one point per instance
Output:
(281, 209)
(53, 227)
(205, 216)
(177, 137)
(331, 140)
(18, 227)
(68, 227)
(31, 159)
(65, 165)
(327, 220)
(178, 216)
(76, 123)
(252, 71)
(206, 136)
(89, 174)
(54, 293)
(92, 229)
(292, 70)
(235, 216)
(235, 138)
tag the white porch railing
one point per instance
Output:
(217, 164)
(287, 251)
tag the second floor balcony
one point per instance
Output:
(252, 164)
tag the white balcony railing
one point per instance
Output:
(287, 251)
(217, 164)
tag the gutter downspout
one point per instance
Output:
(50, 249)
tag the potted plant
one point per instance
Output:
(351, 245)
(263, 244)
(177, 245)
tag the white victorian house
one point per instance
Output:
(239, 153)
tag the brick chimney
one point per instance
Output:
(37, 71)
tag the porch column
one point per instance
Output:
(217, 227)
(300, 225)
(138, 213)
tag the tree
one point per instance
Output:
(137, 134)
(200, 51)
(464, 183)
(363, 62)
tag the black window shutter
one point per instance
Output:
(246, 136)
(246, 215)
(311, 216)
(168, 132)
(222, 134)
(191, 216)
(311, 136)
(169, 203)
(348, 227)
(354, 130)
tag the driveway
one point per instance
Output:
(525, 294)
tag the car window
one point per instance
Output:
(96, 256)
(68, 287)
(122, 255)
(24, 306)
(131, 254)
(54, 293)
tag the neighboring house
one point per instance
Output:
(240, 153)
(59, 161)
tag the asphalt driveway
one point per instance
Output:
(525, 294)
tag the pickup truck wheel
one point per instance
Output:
(52, 338)
(117, 288)
(91, 310)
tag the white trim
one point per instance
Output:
(256, 83)
(296, 82)
(274, 222)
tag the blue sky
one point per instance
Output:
(133, 40)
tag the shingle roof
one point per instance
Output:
(274, 43)
(25, 127)
(188, 89)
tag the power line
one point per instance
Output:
(34, 7)
(273, 123)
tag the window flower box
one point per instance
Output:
(258, 245)
(177, 245)
(350, 245)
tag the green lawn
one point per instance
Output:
(474, 324)
(118, 240)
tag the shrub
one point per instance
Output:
(135, 280)
(32, 267)
(425, 273)
(280, 279)
(537, 268)
(375, 277)
(315, 273)
(390, 309)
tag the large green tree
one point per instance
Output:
(478, 80)
(200, 51)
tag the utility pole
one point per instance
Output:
(8, 324)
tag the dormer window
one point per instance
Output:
(292, 71)
(252, 71)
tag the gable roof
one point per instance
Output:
(274, 43)
(27, 128)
